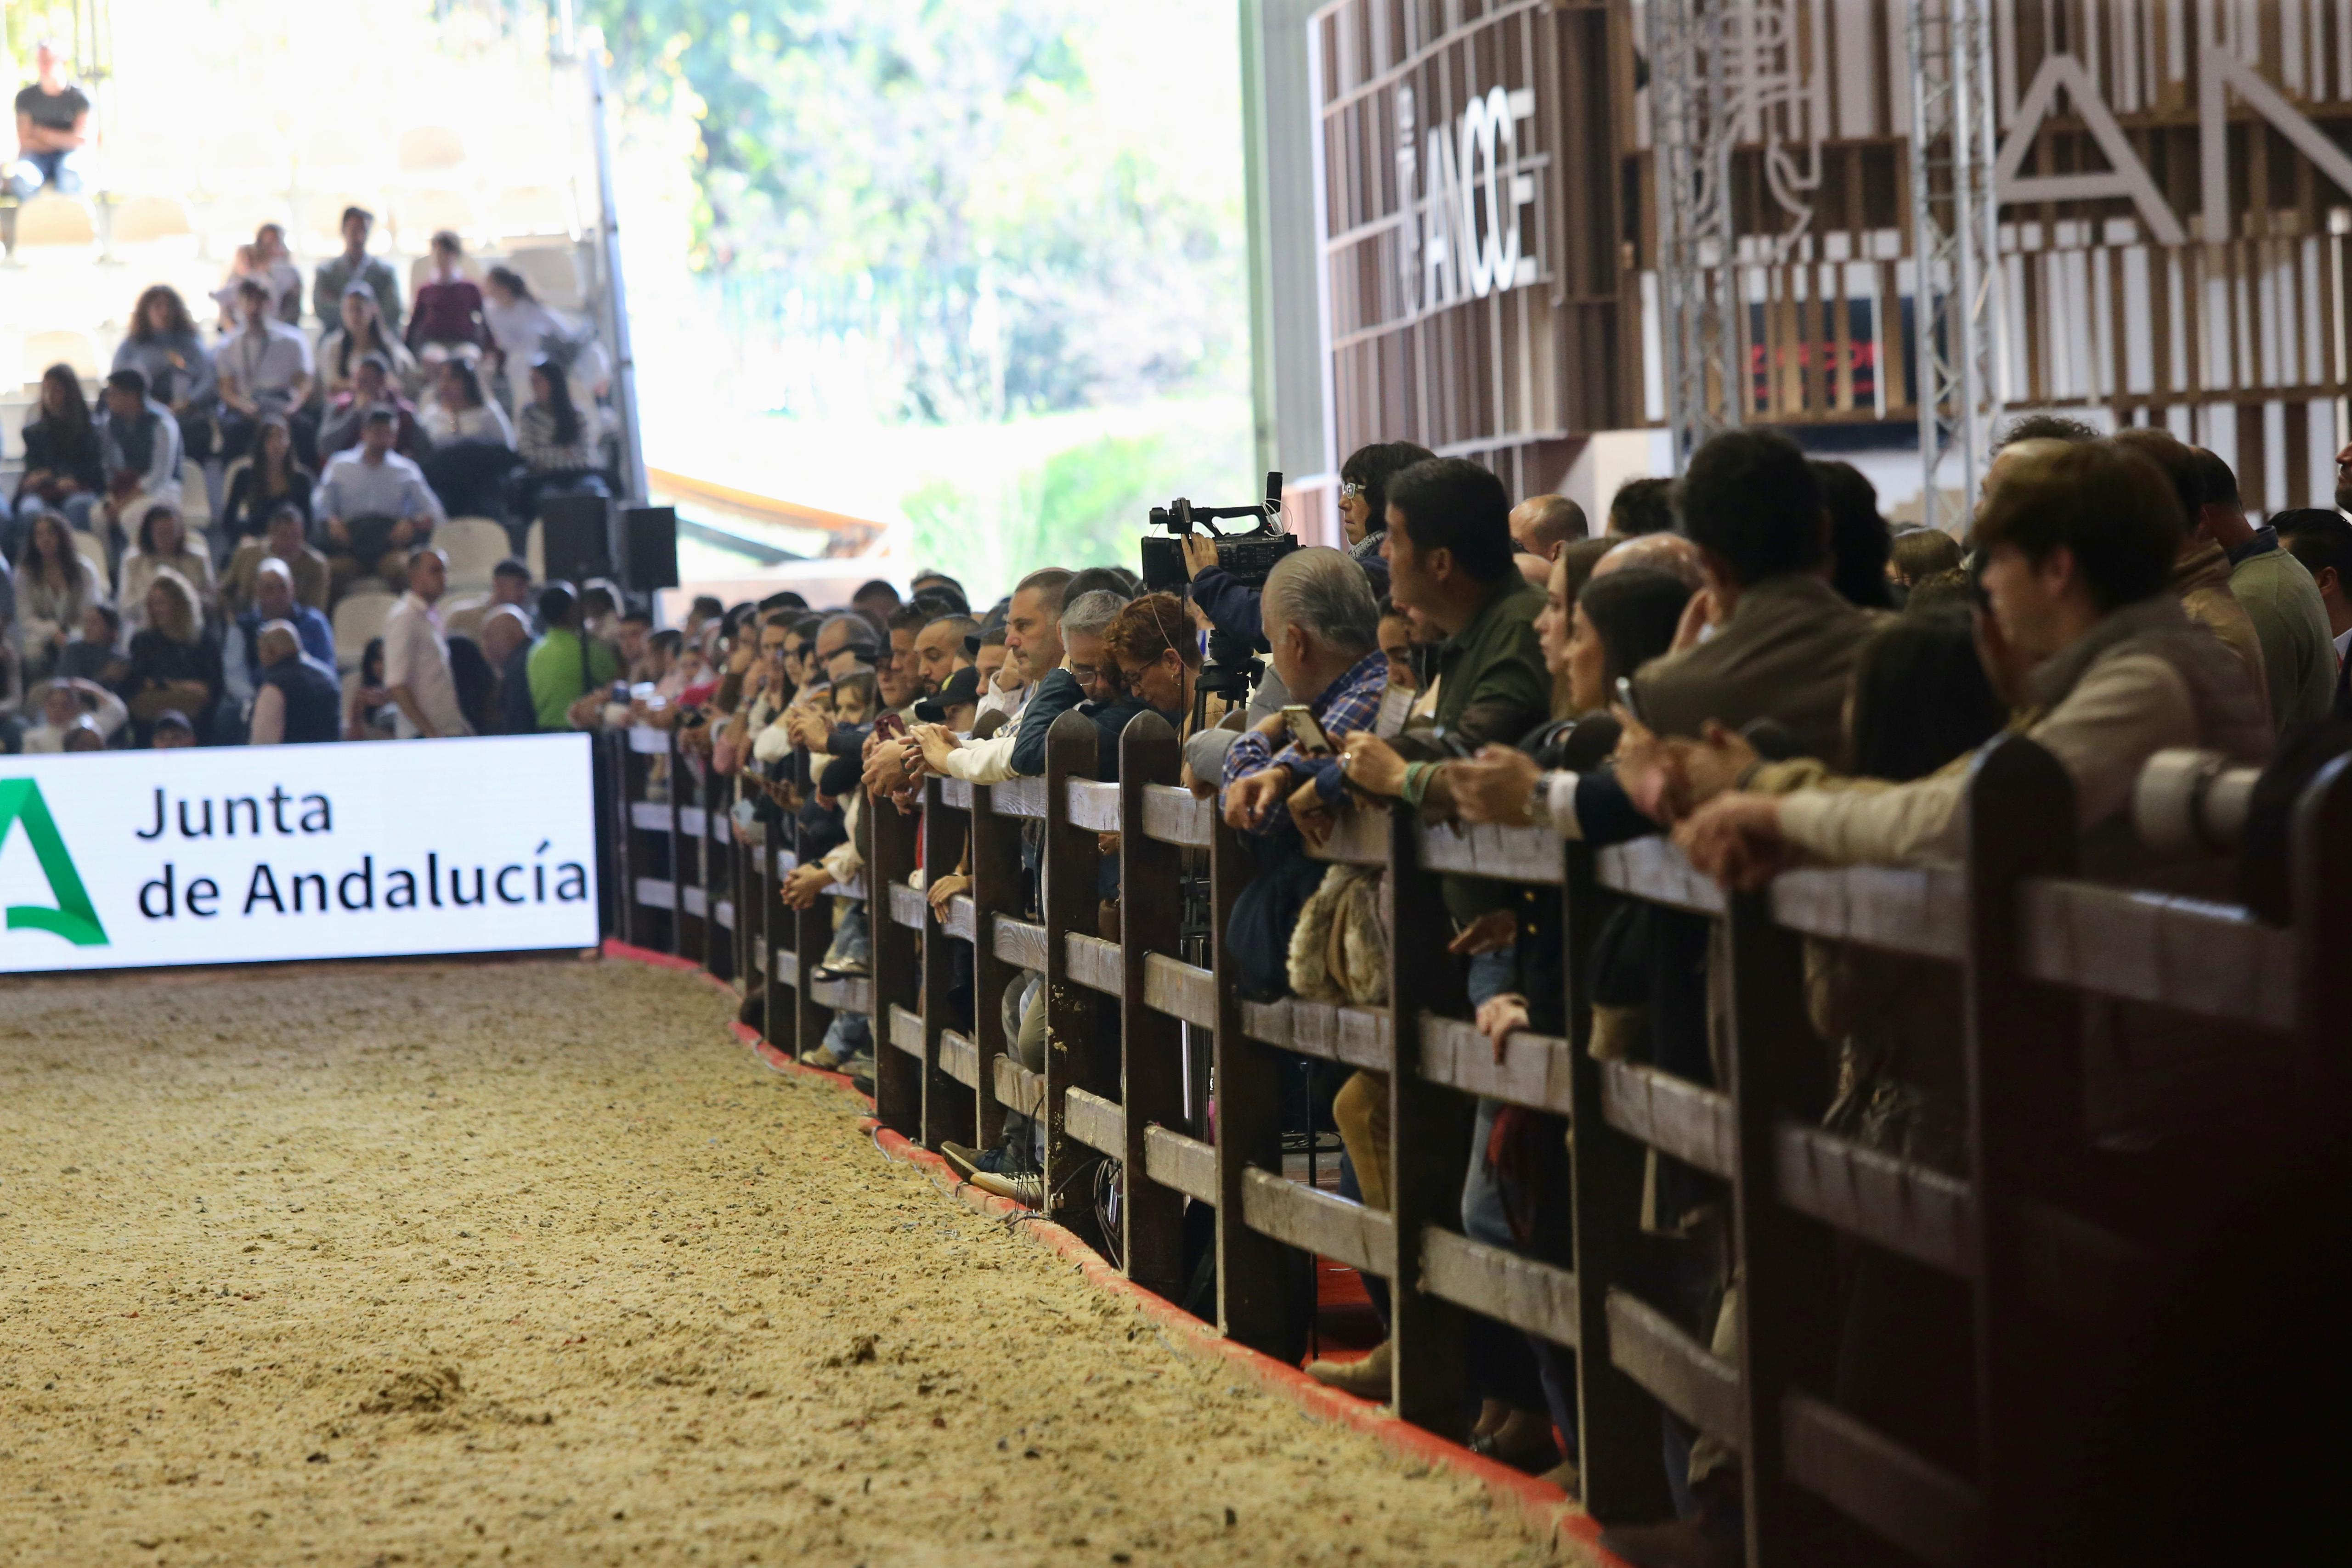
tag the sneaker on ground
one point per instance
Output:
(818, 1056)
(1026, 1188)
(962, 1159)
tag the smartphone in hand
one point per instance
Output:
(891, 726)
(1306, 732)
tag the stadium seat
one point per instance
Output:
(474, 546)
(359, 620)
(143, 220)
(430, 149)
(55, 223)
(535, 210)
(418, 215)
(534, 549)
(93, 547)
(65, 347)
(240, 157)
(554, 274)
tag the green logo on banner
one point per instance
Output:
(73, 919)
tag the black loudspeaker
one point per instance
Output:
(649, 547)
(579, 531)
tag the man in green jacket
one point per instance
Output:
(2278, 595)
(565, 666)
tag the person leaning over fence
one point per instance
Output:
(1032, 646)
(2105, 666)
(2279, 597)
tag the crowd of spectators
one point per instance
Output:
(337, 449)
(1750, 659)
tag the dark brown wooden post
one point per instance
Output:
(624, 856)
(2322, 853)
(2026, 1132)
(1429, 1147)
(1072, 894)
(1617, 1420)
(1151, 1086)
(776, 1009)
(811, 935)
(718, 870)
(1782, 1263)
(1253, 1270)
(889, 857)
(996, 890)
(675, 797)
(948, 1107)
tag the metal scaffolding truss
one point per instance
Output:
(1957, 296)
(1694, 122)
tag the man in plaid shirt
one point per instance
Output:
(1322, 626)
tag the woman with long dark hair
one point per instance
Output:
(55, 583)
(359, 331)
(63, 471)
(275, 478)
(553, 436)
(162, 545)
(166, 347)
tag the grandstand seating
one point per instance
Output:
(474, 546)
(94, 549)
(359, 619)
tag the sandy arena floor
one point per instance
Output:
(531, 1264)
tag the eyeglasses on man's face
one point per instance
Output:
(1351, 491)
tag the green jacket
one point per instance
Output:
(557, 670)
(1492, 689)
(2290, 619)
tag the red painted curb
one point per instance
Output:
(1544, 1509)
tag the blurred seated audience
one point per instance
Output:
(96, 651)
(265, 367)
(139, 447)
(351, 265)
(373, 506)
(63, 470)
(360, 331)
(175, 665)
(163, 545)
(447, 316)
(369, 712)
(54, 583)
(64, 702)
(272, 478)
(166, 347)
(283, 542)
(371, 389)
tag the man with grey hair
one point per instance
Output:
(844, 641)
(300, 701)
(1322, 628)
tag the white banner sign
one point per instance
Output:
(232, 855)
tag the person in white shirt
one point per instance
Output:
(374, 505)
(263, 368)
(417, 655)
(63, 704)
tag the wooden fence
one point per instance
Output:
(2049, 1253)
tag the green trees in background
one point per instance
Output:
(948, 155)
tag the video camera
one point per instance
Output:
(1246, 557)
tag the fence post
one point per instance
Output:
(776, 1009)
(1783, 1263)
(718, 871)
(1151, 1085)
(2321, 853)
(625, 860)
(811, 935)
(1617, 1421)
(676, 845)
(1429, 1142)
(889, 856)
(949, 1109)
(1070, 901)
(996, 890)
(2026, 1128)
(1253, 1270)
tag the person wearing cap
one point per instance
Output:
(63, 703)
(171, 731)
(955, 704)
(139, 450)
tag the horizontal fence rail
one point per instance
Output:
(2039, 958)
